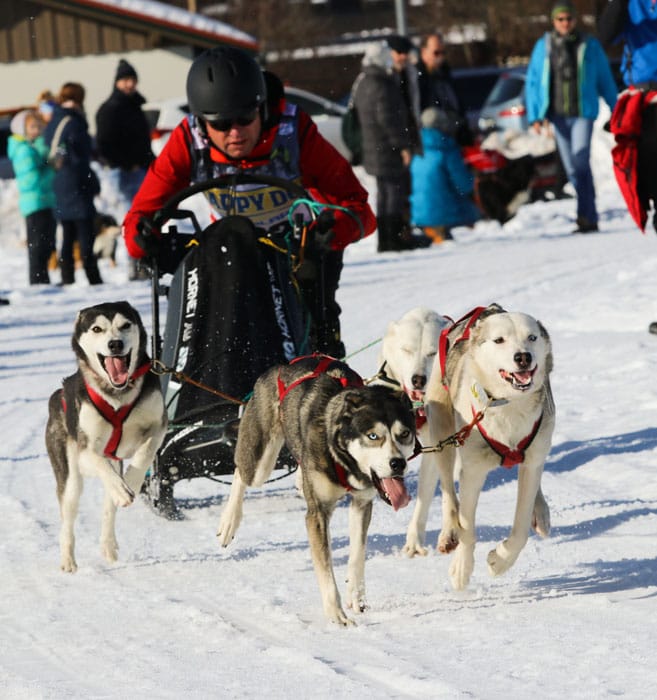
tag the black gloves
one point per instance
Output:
(147, 237)
(321, 233)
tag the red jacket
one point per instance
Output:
(325, 174)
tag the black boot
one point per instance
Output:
(68, 271)
(91, 268)
(388, 240)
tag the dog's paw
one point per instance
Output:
(448, 541)
(122, 496)
(500, 559)
(541, 516)
(228, 525)
(461, 568)
(110, 551)
(68, 565)
(355, 598)
(339, 616)
(413, 547)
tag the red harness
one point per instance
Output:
(324, 362)
(443, 342)
(509, 457)
(116, 418)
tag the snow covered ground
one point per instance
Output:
(179, 617)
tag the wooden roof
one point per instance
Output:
(38, 29)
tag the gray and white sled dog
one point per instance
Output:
(110, 410)
(346, 438)
(500, 362)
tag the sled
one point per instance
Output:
(234, 310)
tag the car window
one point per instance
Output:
(507, 88)
(473, 90)
(311, 107)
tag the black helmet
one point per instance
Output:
(224, 83)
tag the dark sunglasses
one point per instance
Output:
(227, 124)
(565, 18)
(438, 53)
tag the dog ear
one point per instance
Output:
(549, 361)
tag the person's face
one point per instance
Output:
(564, 23)
(399, 60)
(127, 85)
(32, 128)
(433, 54)
(235, 137)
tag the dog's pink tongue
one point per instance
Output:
(397, 493)
(117, 369)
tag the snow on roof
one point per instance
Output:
(162, 14)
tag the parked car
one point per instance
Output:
(472, 86)
(504, 108)
(163, 117)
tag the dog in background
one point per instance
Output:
(106, 235)
(408, 352)
(110, 410)
(509, 357)
(346, 438)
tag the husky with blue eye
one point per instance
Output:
(347, 439)
(109, 413)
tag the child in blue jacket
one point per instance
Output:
(36, 200)
(441, 183)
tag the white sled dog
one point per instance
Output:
(406, 360)
(507, 357)
(346, 438)
(110, 410)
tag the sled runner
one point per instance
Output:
(234, 310)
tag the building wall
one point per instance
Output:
(162, 74)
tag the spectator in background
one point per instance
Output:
(123, 138)
(437, 86)
(387, 145)
(634, 22)
(442, 185)
(75, 183)
(28, 153)
(567, 74)
(406, 73)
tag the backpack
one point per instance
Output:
(351, 129)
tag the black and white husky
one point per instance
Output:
(109, 411)
(346, 437)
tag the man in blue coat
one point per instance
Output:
(567, 74)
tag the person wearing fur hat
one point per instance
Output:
(568, 72)
(28, 153)
(123, 138)
(387, 145)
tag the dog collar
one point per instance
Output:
(341, 473)
(509, 457)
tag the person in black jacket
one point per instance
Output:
(123, 138)
(75, 183)
(437, 85)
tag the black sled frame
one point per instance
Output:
(201, 437)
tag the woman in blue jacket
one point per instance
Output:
(34, 177)
(75, 184)
(567, 74)
(441, 184)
